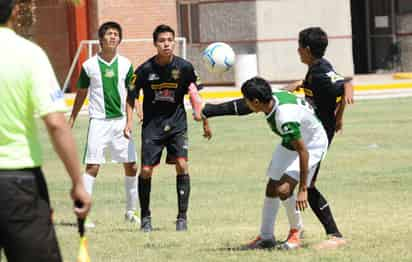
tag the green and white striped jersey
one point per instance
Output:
(107, 83)
(293, 118)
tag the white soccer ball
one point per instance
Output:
(218, 57)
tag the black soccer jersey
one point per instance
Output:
(322, 87)
(164, 88)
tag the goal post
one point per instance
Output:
(136, 50)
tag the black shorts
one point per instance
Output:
(176, 144)
(26, 229)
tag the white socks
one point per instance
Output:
(294, 216)
(130, 186)
(88, 181)
(269, 212)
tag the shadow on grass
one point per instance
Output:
(242, 248)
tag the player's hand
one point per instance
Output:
(339, 126)
(207, 132)
(302, 200)
(79, 195)
(294, 86)
(140, 116)
(71, 122)
(348, 95)
(127, 131)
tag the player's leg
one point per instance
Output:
(122, 150)
(151, 154)
(27, 231)
(276, 190)
(145, 187)
(321, 208)
(177, 153)
(130, 186)
(281, 159)
(183, 193)
(97, 141)
(323, 212)
(293, 214)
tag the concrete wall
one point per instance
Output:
(405, 38)
(270, 29)
(279, 23)
(232, 22)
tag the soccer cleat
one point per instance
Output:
(89, 224)
(331, 243)
(293, 240)
(259, 243)
(146, 224)
(181, 224)
(131, 216)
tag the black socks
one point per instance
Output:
(145, 186)
(322, 210)
(183, 192)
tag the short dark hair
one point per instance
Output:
(315, 39)
(109, 25)
(162, 29)
(257, 88)
(6, 8)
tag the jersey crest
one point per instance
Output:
(175, 74)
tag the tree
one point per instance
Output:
(26, 16)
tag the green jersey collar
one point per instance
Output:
(275, 106)
(107, 63)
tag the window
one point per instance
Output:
(188, 15)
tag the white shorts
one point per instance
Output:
(286, 162)
(106, 136)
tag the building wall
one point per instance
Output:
(50, 32)
(279, 23)
(138, 20)
(270, 29)
(405, 38)
(233, 22)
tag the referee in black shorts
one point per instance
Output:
(28, 86)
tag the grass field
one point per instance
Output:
(367, 178)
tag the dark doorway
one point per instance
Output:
(359, 39)
(374, 40)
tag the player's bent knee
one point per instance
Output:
(284, 191)
(146, 172)
(92, 169)
(181, 166)
(271, 188)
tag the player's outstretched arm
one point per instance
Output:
(78, 103)
(233, 107)
(65, 147)
(294, 86)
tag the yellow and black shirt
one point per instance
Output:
(323, 87)
(164, 88)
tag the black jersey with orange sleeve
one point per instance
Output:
(322, 87)
(164, 88)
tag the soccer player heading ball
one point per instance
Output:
(165, 79)
(295, 160)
